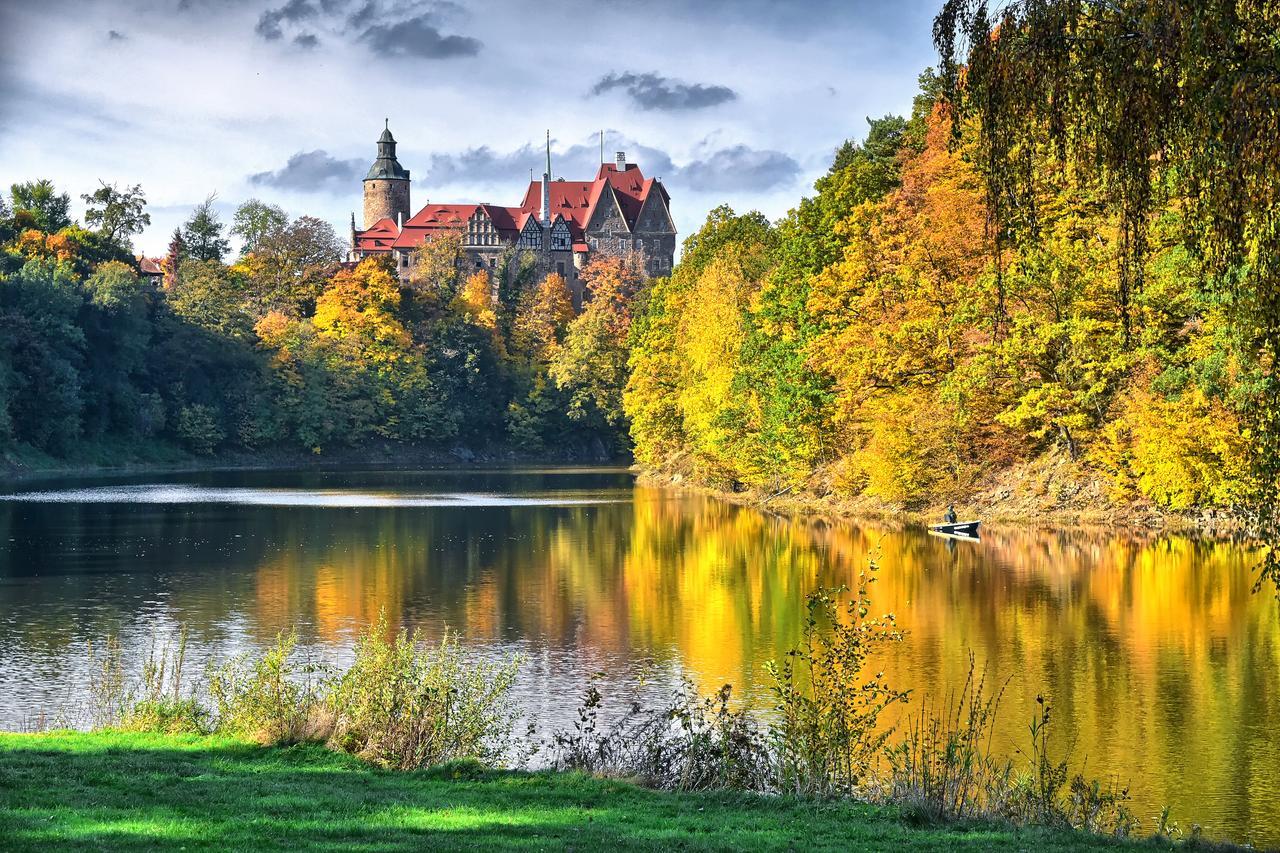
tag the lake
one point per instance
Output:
(1161, 666)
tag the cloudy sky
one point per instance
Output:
(728, 101)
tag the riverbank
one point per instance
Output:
(117, 791)
(1052, 490)
(124, 458)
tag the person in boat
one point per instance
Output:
(951, 514)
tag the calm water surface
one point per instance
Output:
(1162, 668)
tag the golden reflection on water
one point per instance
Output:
(1161, 666)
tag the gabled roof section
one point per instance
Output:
(378, 237)
(577, 200)
(503, 218)
(660, 201)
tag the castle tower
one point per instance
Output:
(386, 187)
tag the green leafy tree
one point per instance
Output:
(37, 204)
(210, 296)
(199, 429)
(119, 214)
(254, 221)
(290, 266)
(118, 332)
(42, 349)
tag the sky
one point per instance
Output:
(738, 102)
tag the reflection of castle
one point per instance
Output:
(563, 222)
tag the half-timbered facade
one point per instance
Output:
(563, 223)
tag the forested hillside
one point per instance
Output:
(282, 347)
(876, 342)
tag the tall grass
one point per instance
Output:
(943, 770)
(159, 699)
(689, 743)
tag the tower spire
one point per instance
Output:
(546, 186)
(386, 185)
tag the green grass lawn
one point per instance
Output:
(113, 791)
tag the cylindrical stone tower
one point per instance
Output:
(386, 187)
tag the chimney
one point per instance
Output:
(622, 161)
(399, 220)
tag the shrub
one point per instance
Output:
(405, 704)
(199, 429)
(270, 699)
(828, 735)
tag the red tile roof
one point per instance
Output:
(150, 266)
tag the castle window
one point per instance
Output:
(493, 262)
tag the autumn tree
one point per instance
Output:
(535, 417)
(592, 364)
(1155, 103)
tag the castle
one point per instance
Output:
(564, 223)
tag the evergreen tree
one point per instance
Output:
(203, 233)
(173, 258)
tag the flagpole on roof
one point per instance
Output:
(548, 152)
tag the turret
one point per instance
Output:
(386, 187)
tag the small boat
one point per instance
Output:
(960, 530)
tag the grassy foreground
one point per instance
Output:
(115, 791)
